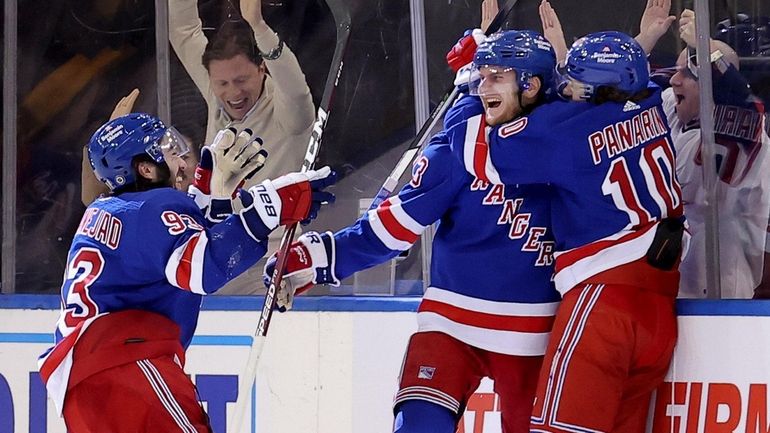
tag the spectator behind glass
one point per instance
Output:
(742, 163)
(246, 85)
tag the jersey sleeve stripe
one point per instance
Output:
(480, 154)
(185, 266)
(394, 226)
(383, 235)
(395, 206)
(469, 147)
(391, 226)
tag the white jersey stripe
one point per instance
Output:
(404, 218)
(469, 146)
(384, 235)
(426, 393)
(607, 258)
(469, 152)
(505, 342)
(58, 380)
(195, 264)
(196, 267)
(490, 307)
(165, 396)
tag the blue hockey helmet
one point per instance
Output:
(114, 145)
(608, 58)
(524, 51)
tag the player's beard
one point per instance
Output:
(506, 111)
(163, 178)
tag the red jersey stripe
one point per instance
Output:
(480, 152)
(60, 352)
(532, 324)
(570, 258)
(395, 228)
(184, 269)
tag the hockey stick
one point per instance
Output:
(415, 146)
(342, 20)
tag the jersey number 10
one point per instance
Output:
(658, 167)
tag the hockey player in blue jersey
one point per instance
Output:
(139, 263)
(617, 221)
(489, 307)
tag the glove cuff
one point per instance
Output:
(220, 209)
(267, 203)
(478, 36)
(202, 199)
(251, 217)
(322, 251)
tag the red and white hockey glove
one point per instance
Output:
(223, 167)
(463, 51)
(292, 198)
(310, 262)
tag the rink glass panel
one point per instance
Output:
(76, 59)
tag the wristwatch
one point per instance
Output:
(274, 53)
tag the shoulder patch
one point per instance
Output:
(513, 127)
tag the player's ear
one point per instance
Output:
(529, 95)
(146, 170)
(535, 84)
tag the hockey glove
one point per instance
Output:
(462, 52)
(292, 198)
(223, 168)
(235, 158)
(310, 262)
(666, 248)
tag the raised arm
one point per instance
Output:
(654, 23)
(489, 10)
(380, 234)
(185, 32)
(293, 102)
(552, 30)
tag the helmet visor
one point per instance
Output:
(171, 144)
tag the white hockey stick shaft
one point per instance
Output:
(247, 379)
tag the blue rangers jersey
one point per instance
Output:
(612, 168)
(491, 264)
(147, 251)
